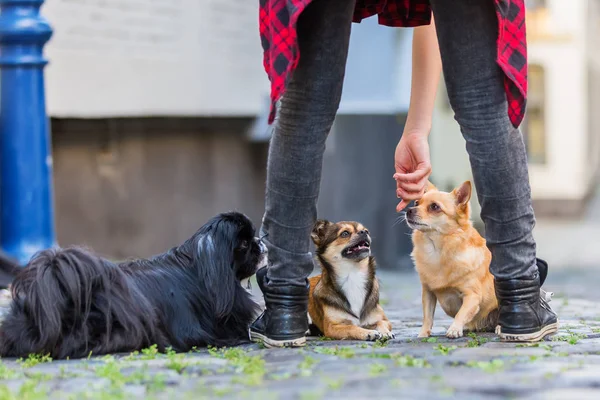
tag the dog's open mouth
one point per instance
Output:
(415, 224)
(357, 248)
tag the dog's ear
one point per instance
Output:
(462, 194)
(215, 261)
(319, 230)
(430, 187)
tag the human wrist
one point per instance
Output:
(412, 130)
(418, 122)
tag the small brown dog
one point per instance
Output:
(344, 299)
(453, 262)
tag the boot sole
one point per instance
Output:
(269, 343)
(527, 337)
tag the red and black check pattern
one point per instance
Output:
(278, 34)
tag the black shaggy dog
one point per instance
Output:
(70, 302)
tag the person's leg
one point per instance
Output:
(467, 33)
(306, 114)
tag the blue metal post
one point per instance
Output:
(26, 205)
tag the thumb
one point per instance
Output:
(402, 205)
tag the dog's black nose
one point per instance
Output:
(411, 212)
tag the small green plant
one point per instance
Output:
(7, 373)
(476, 341)
(214, 351)
(176, 362)
(251, 368)
(325, 339)
(150, 353)
(222, 391)
(410, 361)
(595, 330)
(429, 340)
(156, 384)
(571, 337)
(334, 384)
(29, 390)
(377, 369)
(448, 391)
(34, 359)
(487, 366)
(306, 366)
(132, 356)
(111, 370)
(379, 343)
(527, 345)
(282, 376)
(384, 302)
(444, 350)
(342, 352)
(402, 360)
(38, 376)
(398, 383)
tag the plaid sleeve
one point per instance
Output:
(278, 37)
(278, 19)
(512, 55)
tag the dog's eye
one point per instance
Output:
(434, 207)
(244, 244)
(345, 234)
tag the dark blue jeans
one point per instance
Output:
(467, 33)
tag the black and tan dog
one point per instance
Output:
(344, 299)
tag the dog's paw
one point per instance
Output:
(371, 336)
(454, 331)
(424, 333)
(386, 334)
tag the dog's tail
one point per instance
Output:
(60, 295)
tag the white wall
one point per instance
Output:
(563, 56)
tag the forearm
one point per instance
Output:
(426, 71)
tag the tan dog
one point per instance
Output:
(452, 261)
(344, 299)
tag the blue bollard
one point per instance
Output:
(26, 204)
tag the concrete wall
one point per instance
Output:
(135, 187)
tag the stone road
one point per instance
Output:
(479, 367)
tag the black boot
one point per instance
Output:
(524, 313)
(285, 321)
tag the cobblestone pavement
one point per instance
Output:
(479, 367)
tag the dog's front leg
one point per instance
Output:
(468, 310)
(429, 301)
(346, 331)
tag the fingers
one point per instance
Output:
(411, 186)
(402, 205)
(420, 174)
(403, 194)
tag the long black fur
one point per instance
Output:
(8, 270)
(70, 302)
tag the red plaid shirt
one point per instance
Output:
(279, 40)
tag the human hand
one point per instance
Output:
(413, 167)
